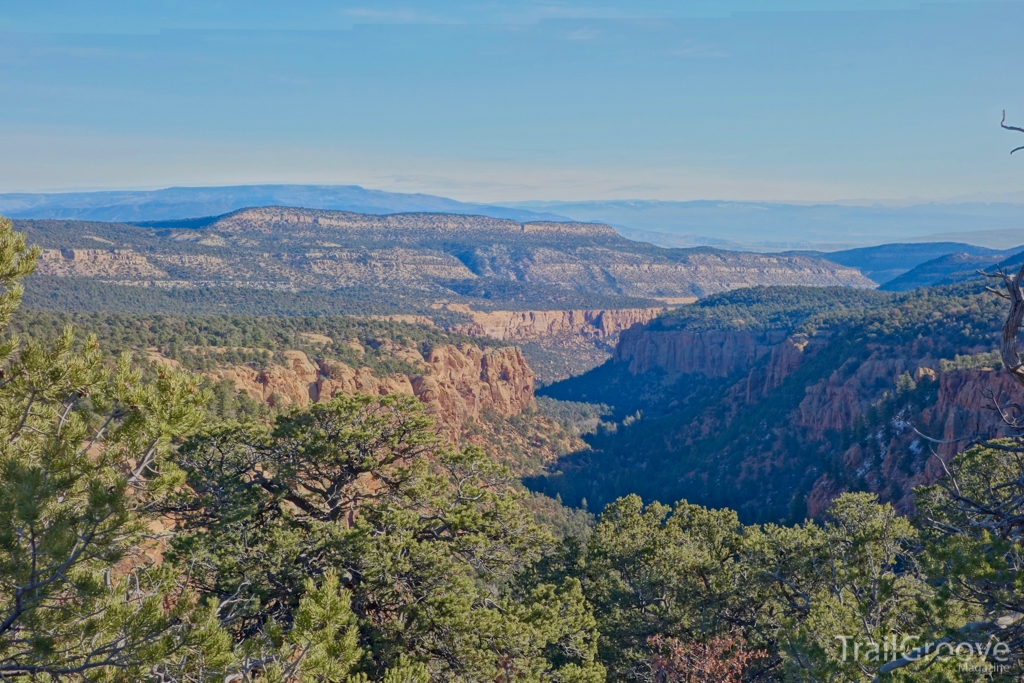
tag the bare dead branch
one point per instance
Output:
(1002, 124)
(1008, 347)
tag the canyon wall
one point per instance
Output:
(534, 325)
(963, 413)
(713, 353)
(457, 383)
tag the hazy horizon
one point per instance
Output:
(758, 226)
(850, 101)
(975, 198)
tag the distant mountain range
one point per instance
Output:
(765, 226)
(904, 266)
(175, 203)
(750, 226)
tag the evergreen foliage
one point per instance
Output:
(80, 595)
(698, 438)
(143, 540)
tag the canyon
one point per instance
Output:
(776, 421)
(762, 395)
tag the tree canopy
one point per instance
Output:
(144, 538)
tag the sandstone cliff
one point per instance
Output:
(555, 325)
(478, 396)
(97, 263)
(457, 383)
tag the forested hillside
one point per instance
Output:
(305, 500)
(886, 262)
(772, 401)
(954, 267)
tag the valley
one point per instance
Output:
(773, 401)
(489, 413)
(732, 379)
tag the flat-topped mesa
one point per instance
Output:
(267, 219)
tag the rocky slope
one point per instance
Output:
(471, 392)
(775, 420)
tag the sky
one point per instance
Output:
(503, 101)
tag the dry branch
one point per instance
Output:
(1002, 124)
(1008, 347)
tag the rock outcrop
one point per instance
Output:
(786, 357)
(457, 383)
(534, 325)
(97, 263)
(966, 406)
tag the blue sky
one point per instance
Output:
(511, 101)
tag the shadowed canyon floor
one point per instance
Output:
(773, 401)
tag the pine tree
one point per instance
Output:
(425, 539)
(84, 457)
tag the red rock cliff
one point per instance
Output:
(456, 382)
(528, 325)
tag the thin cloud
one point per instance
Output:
(585, 33)
(398, 16)
(692, 48)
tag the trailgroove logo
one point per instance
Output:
(907, 648)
